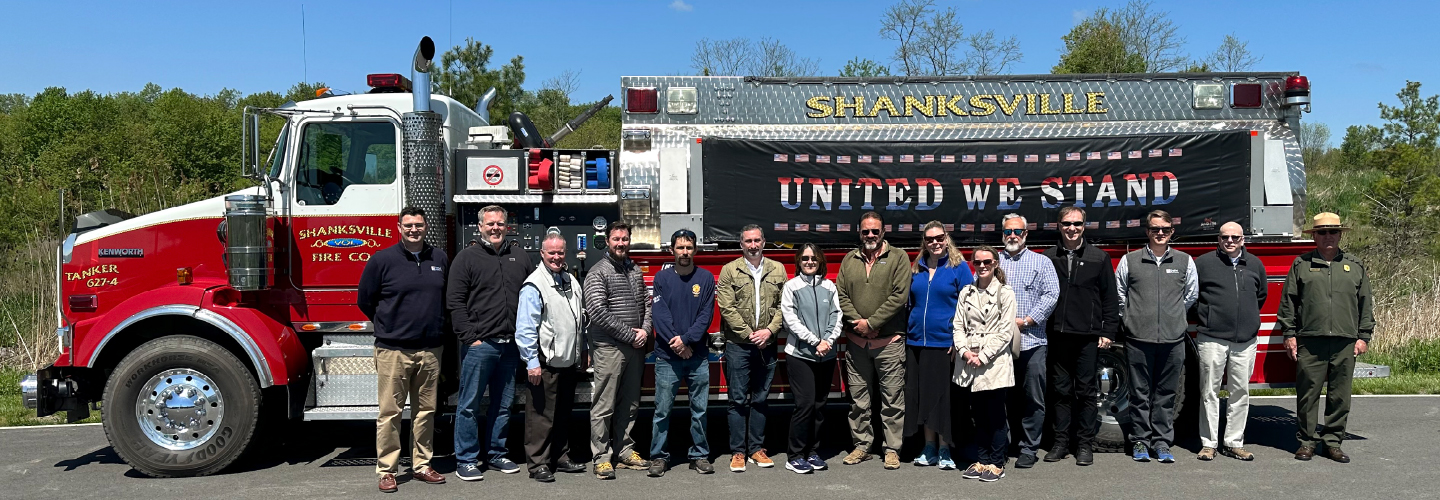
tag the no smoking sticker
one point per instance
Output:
(494, 175)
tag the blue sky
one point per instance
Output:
(1355, 54)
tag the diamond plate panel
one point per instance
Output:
(424, 155)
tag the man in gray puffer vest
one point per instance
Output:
(619, 308)
(1156, 284)
(549, 332)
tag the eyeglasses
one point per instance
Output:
(1161, 230)
(809, 258)
(935, 239)
(1072, 223)
(870, 232)
(1231, 237)
(415, 225)
(984, 262)
(1013, 232)
(1326, 232)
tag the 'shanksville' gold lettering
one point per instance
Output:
(306, 234)
(933, 106)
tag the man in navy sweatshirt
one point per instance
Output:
(402, 291)
(683, 306)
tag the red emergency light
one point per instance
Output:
(387, 82)
(1297, 90)
(642, 100)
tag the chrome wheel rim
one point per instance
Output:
(179, 409)
(1114, 384)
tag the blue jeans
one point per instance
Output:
(668, 373)
(490, 365)
(748, 371)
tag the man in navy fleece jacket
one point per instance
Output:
(683, 306)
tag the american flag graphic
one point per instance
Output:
(802, 227)
(1114, 155)
(1032, 158)
(927, 158)
(1174, 152)
(802, 157)
(822, 158)
(947, 158)
(1112, 224)
(842, 159)
(1072, 156)
(782, 157)
(780, 226)
(907, 158)
(887, 159)
(967, 158)
(863, 158)
(1092, 155)
(1056, 157)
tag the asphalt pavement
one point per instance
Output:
(1394, 446)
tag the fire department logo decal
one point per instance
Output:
(345, 243)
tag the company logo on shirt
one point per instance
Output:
(436, 268)
(695, 289)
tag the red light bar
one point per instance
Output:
(1245, 95)
(1297, 83)
(388, 80)
(642, 100)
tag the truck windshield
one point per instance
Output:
(334, 156)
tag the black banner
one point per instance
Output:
(816, 190)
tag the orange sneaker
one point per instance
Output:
(737, 462)
(764, 461)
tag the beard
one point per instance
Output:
(683, 261)
(870, 246)
(1014, 247)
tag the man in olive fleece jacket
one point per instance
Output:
(874, 286)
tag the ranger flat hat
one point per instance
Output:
(1326, 220)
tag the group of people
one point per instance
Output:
(999, 332)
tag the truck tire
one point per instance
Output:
(1112, 435)
(181, 406)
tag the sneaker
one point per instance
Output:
(1084, 455)
(974, 471)
(604, 470)
(1207, 454)
(1026, 461)
(799, 466)
(633, 462)
(927, 456)
(892, 460)
(992, 474)
(702, 466)
(816, 462)
(857, 456)
(504, 465)
(761, 459)
(946, 463)
(1238, 453)
(737, 462)
(469, 472)
(543, 475)
(1141, 453)
(1057, 452)
(1162, 453)
(657, 468)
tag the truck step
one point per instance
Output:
(1367, 370)
(348, 413)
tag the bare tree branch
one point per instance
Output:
(775, 59)
(1152, 35)
(1232, 55)
(903, 22)
(722, 57)
(567, 82)
(989, 56)
(940, 41)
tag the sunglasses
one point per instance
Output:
(1013, 232)
(1161, 230)
(1072, 223)
(1326, 232)
(935, 239)
(1229, 237)
(984, 262)
(808, 258)
(870, 232)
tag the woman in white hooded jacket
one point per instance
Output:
(810, 308)
(985, 334)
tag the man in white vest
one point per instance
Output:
(549, 330)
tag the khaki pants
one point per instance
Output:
(618, 369)
(1217, 357)
(868, 373)
(402, 373)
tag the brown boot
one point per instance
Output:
(1207, 454)
(1239, 453)
(857, 456)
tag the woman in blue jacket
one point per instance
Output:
(940, 272)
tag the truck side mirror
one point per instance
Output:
(250, 145)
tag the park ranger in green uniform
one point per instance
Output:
(1326, 313)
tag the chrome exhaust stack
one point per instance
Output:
(424, 150)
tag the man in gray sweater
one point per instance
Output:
(1232, 289)
(618, 306)
(1156, 284)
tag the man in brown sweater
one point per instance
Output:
(874, 286)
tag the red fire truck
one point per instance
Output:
(189, 320)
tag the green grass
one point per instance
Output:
(12, 407)
(1396, 383)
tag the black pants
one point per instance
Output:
(810, 383)
(1155, 376)
(547, 416)
(992, 430)
(1072, 378)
